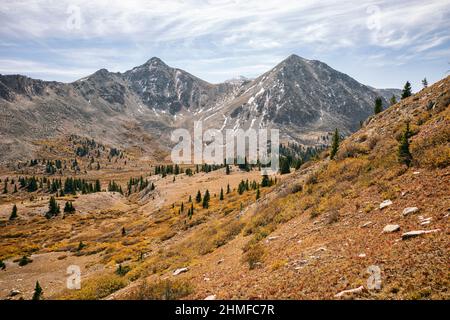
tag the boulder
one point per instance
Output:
(385, 203)
(391, 228)
(14, 292)
(410, 210)
(349, 292)
(180, 270)
(211, 297)
(365, 225)
(416, 233)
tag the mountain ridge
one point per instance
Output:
(305, 98)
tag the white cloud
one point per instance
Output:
(118, 34)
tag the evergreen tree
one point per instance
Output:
(13, 215)
(404, 155)
(191, 211)
(206, 198)
(182, 207)
(406, 90)
(68, 207)
(228, 188)
(378, 105)
(265, 181)
(257, 194)
(334, 144)
(284, 168)
(425, 82)
(124, 232)
(198, 198)
(37, 295)
(5, 188)
(81, 245)
(53, 208)
(15, 189)
(98, 187)
(221, 194)
(393, 100)
(227, 169)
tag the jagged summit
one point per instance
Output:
(155, 61)
(306, 99)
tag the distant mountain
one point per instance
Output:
(306, 99)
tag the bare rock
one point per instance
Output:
(211, 297)
(385, 203)
(410, 210)
(349, 292)
(180, 270)
(391, 228)
(365, 225)
(14, 292)
(416, 233)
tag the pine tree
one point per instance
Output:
(285, 168)
(406, 90)
(378, 105)
(198, 198)
(37, 295)
(393, 100)
(5, 188)
(53, 208)
(68, 207)
(221, 194)
(404, 155)
(227, 171)
(182, 207)
(265, 181)
(191, 211)
(425, 82)
(124, 232)
(81, 245)
(206, 198)
(13, 215)
(228, 188)
(257, 194)
(334, 144)
(98, 187)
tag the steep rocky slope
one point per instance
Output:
(334, 224)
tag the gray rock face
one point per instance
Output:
(305, 99)
(162, 87)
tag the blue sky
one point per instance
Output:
(379, 43)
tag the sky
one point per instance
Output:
(379, 43)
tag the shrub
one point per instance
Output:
(311, 179)
(97, 288)
(351, 150)
(253, 255)
(163, 290)
(332, 217)
(122, 270)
